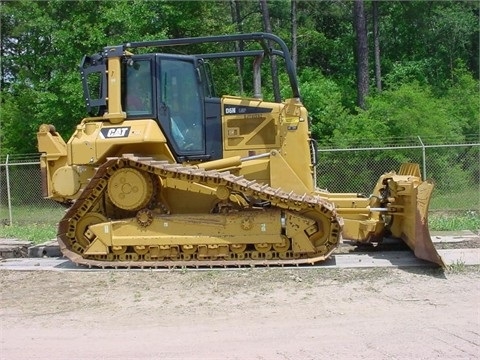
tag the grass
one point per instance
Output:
(25, 215)
(454, 221)
(462, 200)
(35, 224)
(36, 233)
(458, 267)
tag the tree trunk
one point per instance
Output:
(237, 20)
(361, 46)
(273, 62)
(376, 46)
(293, 16)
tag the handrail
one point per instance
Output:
(261, 37)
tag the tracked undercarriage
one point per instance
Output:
(248, 224)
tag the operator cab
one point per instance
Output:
(176, 91)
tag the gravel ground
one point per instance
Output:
(383, 313)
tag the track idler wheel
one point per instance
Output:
(130, 189)
(82, 234)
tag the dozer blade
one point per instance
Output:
(412, 227)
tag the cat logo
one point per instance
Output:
(116, 132)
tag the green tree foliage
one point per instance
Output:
(429, 56)
(323, 99)
(43, 43)
(463, 103)
(422, 40)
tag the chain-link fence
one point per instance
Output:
(455, 168)
(21, 200)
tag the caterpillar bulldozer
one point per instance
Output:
(167, 173)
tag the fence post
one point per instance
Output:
(8, 191)
(424, 171)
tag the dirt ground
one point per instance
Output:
(412, 313)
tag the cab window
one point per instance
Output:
(138, 99)
(179, 92)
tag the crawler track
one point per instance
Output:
(325, 237)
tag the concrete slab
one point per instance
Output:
(14, 248)
(378, 259)
(460, 256)
(453, 236)
(48, 249)
(32, 264)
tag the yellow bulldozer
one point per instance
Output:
(167, 173)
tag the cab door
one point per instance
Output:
(181, 110)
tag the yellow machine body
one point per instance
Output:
(138, 197)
